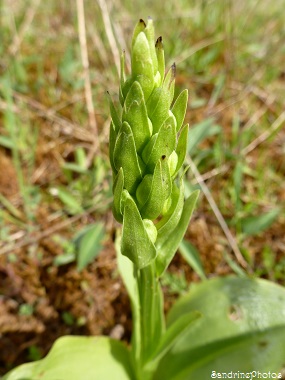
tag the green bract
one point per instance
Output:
(147, 149)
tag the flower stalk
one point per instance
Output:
(148, 145)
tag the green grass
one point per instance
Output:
(229, 54)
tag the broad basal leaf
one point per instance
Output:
(242, 329)
(78, 358)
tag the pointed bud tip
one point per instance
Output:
(173, 68)
(142, 22)
(158, 43)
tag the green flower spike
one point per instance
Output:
(148, 146)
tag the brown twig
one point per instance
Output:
(265, 135)
(98, 44)
(28, 19)
(35, 238)
(87, 83)
(66, 126)
(124, 46)
(110, 33)
(219, 216)
(197, 47)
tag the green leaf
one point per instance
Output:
(89, 244)
(136, 244)
(6, 142)
(10, 207)
(169, 222)
(151, 229)
(114, 114)
(242, 329)
(143, 190)
(112, 141)
(26, 309)
(164, 144)
(179, 108)
(167, 250)
(158, 107)
(181, 148)
(255, 224)
(172, 336)
(142, 66)
(197, 103)
(140, 26)
(126, 268)
(74, 358)
(125, 89)
(122, 70)
(122, 78)
(160, 58)
(148, 148)
(125, 157)
(68, 318)
(72, 204)
(200, 131)
(64, 259)
(191, 255)
(74, 167)
(149, 32)
(234, 265)
(169, 83)
(117, 191)
(135, 114)
(159, 192)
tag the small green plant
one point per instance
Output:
(222, 325)
(83, 248)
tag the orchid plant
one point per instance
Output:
(223, 325)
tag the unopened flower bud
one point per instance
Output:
(145, 151)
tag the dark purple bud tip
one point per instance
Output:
(142, 22)
(173, 68)
(163, 157)
(158, 43)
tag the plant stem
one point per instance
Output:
(151, 312)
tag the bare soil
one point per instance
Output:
(94, 301)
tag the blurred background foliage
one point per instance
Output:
(55, 180)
